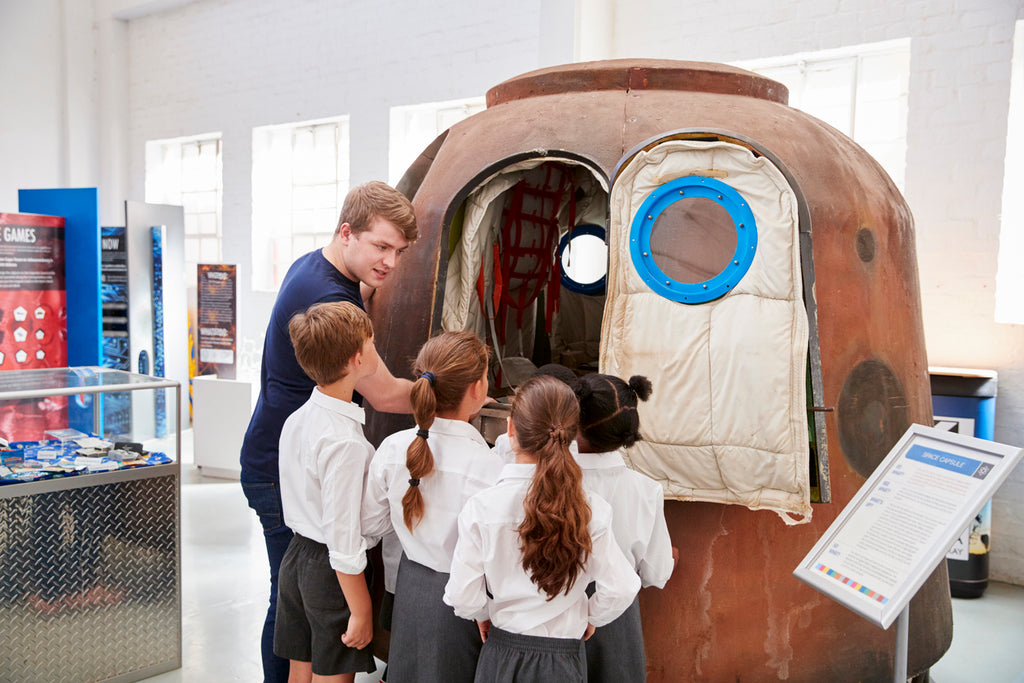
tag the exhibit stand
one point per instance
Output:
(221, 412)
(90, 541)
(895, 531)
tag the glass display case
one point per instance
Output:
(90, 543)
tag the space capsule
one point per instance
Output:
(678, 220)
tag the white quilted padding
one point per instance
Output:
(727, 420)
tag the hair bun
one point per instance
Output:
(641, 386)
(582, 390)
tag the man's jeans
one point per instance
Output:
(265, 499)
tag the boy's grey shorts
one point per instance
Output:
(312, 613)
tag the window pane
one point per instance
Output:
(298, 173)
(693, 240)
(301, 244)
(191, 250)
(209, 250)
(207, 223)
(191, 224)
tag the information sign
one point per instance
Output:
(891, 536)
(217, 320)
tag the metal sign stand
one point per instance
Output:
(899, 674)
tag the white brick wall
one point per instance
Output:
(959, 93)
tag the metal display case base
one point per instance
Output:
(91, 585)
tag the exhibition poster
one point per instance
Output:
(898, 527)
(159, 354)
(33, 316)
(117, 406)
(216, 338)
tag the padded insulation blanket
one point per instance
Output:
(727, 421)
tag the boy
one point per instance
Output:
(324, 622)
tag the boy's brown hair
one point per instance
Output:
(365, 202)
(327, 336)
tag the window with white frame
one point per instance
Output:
(188, 172)
(1009, 275)
(860, 90)
(413, 127)
(300, 176)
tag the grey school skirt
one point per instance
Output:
(429, 644)
(514, 658)
(615, 653)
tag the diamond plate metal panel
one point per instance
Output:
(89, 584)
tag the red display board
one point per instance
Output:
(33, 315)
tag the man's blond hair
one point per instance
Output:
(375, 199)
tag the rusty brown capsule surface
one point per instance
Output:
(732, 610)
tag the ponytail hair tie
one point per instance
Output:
(429, 376)
(422, 433)
(414, 482)
(558, 434)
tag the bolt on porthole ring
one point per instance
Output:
(595, 288)
(689, 187)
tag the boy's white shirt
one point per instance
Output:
(323, 462)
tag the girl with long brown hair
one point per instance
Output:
(417, 483)
(530, 545)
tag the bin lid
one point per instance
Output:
(973, 382)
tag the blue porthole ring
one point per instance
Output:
(689, 187)
(595, 288)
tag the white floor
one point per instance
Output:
(225, 580)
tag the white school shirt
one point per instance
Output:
(638, 513)
(463, 465)
(488, 559)
(322, 462)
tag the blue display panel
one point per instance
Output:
(80, 208)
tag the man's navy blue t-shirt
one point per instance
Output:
(284, 387)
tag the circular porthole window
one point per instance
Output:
(583, 257)
(693, 239)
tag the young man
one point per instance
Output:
(324, 625)
(375, 227)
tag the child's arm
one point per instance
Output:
(360, 623)
(616, 581)
(341, 466)
(658, 562)
(375, 520)
(466, 591)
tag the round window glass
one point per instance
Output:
(583, 256)
(693, 239)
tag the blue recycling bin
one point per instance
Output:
(964, 401)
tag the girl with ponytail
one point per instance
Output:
(529, 547)
(416, 485)
(609, 424)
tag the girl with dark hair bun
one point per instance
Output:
(610, 423)
(417, 483)
(529, 547)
